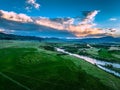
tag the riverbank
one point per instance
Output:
(93, 61)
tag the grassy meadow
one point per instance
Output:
(29, 65)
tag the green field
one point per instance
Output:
(100, 52)
(29, 66)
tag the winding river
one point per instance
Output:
(96, 62)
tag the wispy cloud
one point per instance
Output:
(113, 19)
(15, 17)
(89, 17)
(2, 30)
(32, 3)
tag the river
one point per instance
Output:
(96, 62)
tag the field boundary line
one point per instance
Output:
(16, 82)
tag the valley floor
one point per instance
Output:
(29, 65)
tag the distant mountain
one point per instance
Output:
(107, 39)
(4, 36)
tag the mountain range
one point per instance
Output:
(107, 39)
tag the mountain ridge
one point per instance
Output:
(107, 39)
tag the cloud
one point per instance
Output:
(117, 34)
(2, 30)
(113, 19)
(113, 32)
(89, 17)
(79, 28)
(7, 31)
(82, 28)
(32, 3)
(15, 17)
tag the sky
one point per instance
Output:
(60, 18)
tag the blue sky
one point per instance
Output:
(108, 17)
